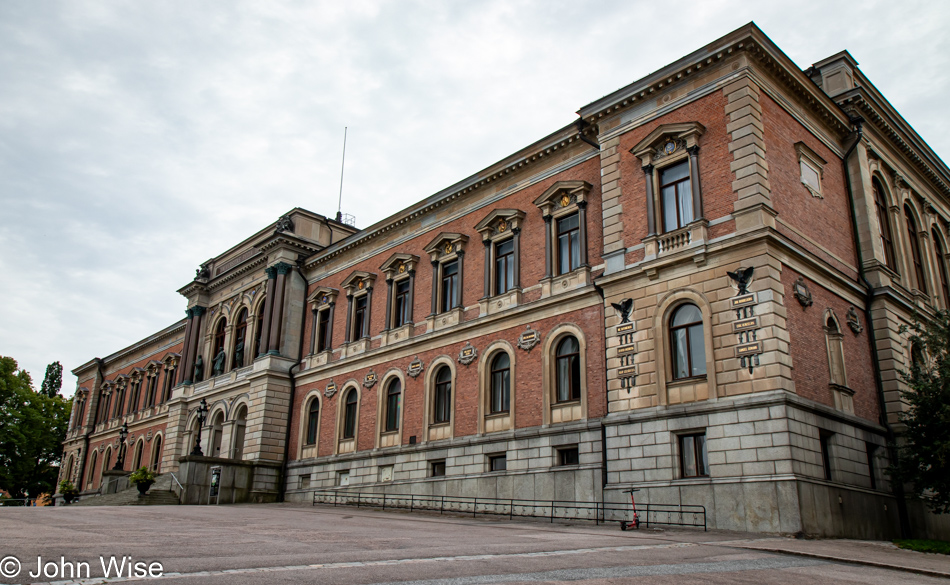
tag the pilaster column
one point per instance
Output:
(694, 181)
(330, 325)
(651, 213)
(369, 312)
(277, 316)
(349, 318)
(268, 309)
(487, 287)
(461, 286)
(547, 246)
(582, 230)
(435, 287)
(412, 293)
(389, 303)
(186, 349)
(314, 323)
(517, 244)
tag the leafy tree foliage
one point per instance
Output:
(53, 381)
(32, 428)
(924, 450)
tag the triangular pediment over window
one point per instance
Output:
(667, 139)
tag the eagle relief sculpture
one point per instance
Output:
(623, 307)
(743, 277)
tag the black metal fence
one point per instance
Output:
(598, 512)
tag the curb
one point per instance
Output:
(928, 572)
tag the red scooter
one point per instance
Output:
(624, 525)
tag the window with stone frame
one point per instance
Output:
(834, 342)
(400, 271)
(447, 255)
(442, 396)
(884, 224)
(313, 421)
(501, 237)
(687, 343)
(393, 403)
(240, 340)
(322, 308)
(564, 210)
(350, 406)
(151, 384)
(121, 385)
(567, 370)
(941, 267)
(170, 366)
(669, 158)
(693, 458)
(135, 391)
(811, 167)
(359, 295)
(499, 399)
(259, 348)
(913, 239)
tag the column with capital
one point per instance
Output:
(694, 181)
(651, 213)
(487, 286)
(582, 230)
(271, 273)
(548, 272)
(184, 378)
(516, 234)
(277, 315)
(435, 287)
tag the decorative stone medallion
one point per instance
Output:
(331, 389)
(370, 380)
(853, 322)
(468, 354)
(415, 367)
(529, 338)
(801, 292)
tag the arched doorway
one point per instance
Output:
(237, 436)
(216, 433)
(157, 454)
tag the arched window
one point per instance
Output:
(442, 407)
(916, 357)
(137, 460)
(914, 238)
(500, 383)
(313, 419)
(687, 343)
(941, 268)
(92, 468)
(259, 330)
(349, 415)
(219, 338)
(240, 336)
(884, 225)
(237, 438)
(835, 341)
(393, 399)
(568, 369)
(157, 453)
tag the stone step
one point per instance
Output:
(160, 494)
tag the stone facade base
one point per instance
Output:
(238, 481)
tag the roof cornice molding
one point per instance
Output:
(161, 335)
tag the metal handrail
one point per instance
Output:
(693, 515)
(181, 488)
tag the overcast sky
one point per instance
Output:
(138, 139)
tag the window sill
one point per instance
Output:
(561, 283)
(686, 381)
(501, 414)
(498, 303)
(444, 320)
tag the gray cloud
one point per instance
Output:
(139, 139)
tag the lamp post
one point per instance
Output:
(120, 457)
(202, 413)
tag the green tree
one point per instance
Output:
(32, 429)
(53, 381)
(923, 452)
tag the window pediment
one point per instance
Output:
(500, 222)
(666, 140)
(399, 264)
(562, 195)
(358, 282)
(322, 297)
(446, 244)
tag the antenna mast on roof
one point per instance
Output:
(339, 207)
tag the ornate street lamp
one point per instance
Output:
(120, 457)
(202, 413)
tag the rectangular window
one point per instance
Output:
(676, 196)
(304, 482)
(824, 439)
(437, 468)
(504, 266)
(497, 462)
(323, 331)
(401, 306)
(359, 318)
(450, 280)
(568, 455)
(568, 244)
(343, 478)
(693, 455)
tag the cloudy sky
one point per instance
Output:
(138, 139)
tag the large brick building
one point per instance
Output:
(563, 325)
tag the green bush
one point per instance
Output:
(142, 475)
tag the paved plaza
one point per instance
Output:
(300, 544)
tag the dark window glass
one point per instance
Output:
(259, 333)
(824, 440)
(401, 309)
(568, 244)
(941, 268)
(884, 225)
(219, 338)
(504, 266)
(442, 408)
(450, 280)
(349, 415)
(914, 238)
(240, 336)
(323, 330)
(693, 455)
(359, 318)
(687, 343)
(568, 368)
(393, 396)
(438, 468)
(500, 383)
(568, 456)
(313, 419)
(676, 196)
(498, 463)
(134, 397)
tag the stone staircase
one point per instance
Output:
(160, 494)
